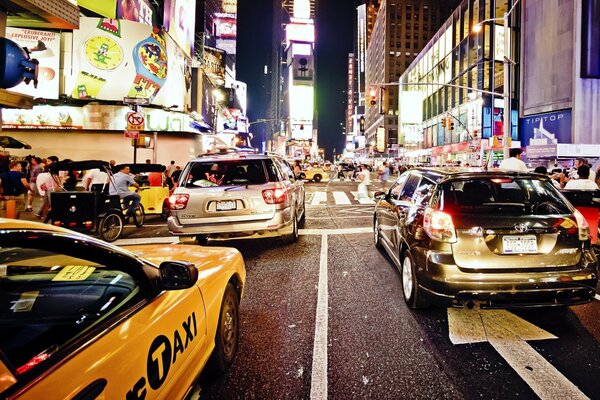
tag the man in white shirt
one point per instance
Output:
(94, 177)
(514, 163)
(583, 182)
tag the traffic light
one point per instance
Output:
(373, 96)
(444, 124)
(451, 124)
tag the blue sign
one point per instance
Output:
(546, 128)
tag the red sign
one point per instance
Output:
(132, 134)
(135, 121)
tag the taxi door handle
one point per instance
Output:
(92, 391)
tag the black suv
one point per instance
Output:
(498, 239)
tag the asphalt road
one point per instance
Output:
(324, 318)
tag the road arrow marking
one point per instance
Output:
(508, 333)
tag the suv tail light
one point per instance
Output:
(582, 225)
(439, 226)
(178, 201)
(276, 195)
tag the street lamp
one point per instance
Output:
(218, 97)
(508, 62)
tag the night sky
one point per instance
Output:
(335, 23)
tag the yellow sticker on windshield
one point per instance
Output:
(74, 273)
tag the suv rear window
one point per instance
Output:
(225, 173)
(503, 195)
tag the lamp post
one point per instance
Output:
(508, 62)
(217, 99)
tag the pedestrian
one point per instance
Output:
(364, 179)
(583, 181)
(514, 163)
(13, 186)
(95, 180)
(120, 185)
(46, 183)
(171, 168)
(36, 169)
(297, 169)
(383, 173)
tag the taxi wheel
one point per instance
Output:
(110, 227)
(139, 216)
(228, 334)
(317, 178)
(410, 286)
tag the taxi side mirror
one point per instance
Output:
(175, 275)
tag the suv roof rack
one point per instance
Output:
(219, 150)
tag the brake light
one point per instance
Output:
(439, 226)
(178, 201)
(277, 195)
(33, 362)
(502, 180)
(582, 226)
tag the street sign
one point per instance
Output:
(135, 121)
(141, 101)
(132, 134)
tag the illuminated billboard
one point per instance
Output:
(113, 59)
(106, 8)
(300, 33)
(301, 102)
(44, 47)
(135, 10)
(301, 8)
(302, 62)
(179, 21)
(214, 65)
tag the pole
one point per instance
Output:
(506, 93)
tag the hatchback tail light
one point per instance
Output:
(439, 226)
(582, 226)
(276, 195)
(178, 201)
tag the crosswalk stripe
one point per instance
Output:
(319, 197)
(341, 198)
(361, 200)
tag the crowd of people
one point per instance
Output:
(22, 181)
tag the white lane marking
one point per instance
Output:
(597, 297)
(341, 198)
(362, 200)
(347, 231)
(318, 387)
(150, 240)
(319, 197)
(508, 333)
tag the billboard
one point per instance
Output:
(300, 33)
(362, 46)
(225, 26)
(45, 47)
(106, 8)
(590, 43)
(545, 129)
(135, 10)
(113, 59)
(214, 65)
(179, 21)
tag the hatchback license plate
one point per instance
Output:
(519, 244)
(226, 205)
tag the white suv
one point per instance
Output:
(237, 195)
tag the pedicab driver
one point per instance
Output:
(122, 182)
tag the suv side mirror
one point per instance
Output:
(175, 275)
(379, 195)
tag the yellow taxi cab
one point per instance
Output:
(315, 174)
(80, 318)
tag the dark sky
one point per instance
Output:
(335, 23)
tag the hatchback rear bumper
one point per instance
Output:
(444, 282)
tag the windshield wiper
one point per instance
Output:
(235, 187)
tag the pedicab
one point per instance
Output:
(155, 199)
(94, 211)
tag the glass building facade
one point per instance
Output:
(457, 99)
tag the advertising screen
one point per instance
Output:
(547, 128)
(44, 47)
(179, 21)
(113, 59)
(135, 10)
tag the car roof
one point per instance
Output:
(446, 173)
(234, 156)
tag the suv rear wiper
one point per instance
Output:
(235, 187)
(504, 204)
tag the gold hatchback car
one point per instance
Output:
(80, 318)
(496, 239)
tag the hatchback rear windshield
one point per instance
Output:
(226, 173)
(503, 195)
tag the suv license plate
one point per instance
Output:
(226, 205)
(519, 244)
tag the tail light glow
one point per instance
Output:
(582, 225)
(178, 201)
(278, 195)
(439, 226)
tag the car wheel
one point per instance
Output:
(292, 237)
(202, 240)
(139, 216)
(110, 227)
(166, 211)
(410, 287)
(302, 215)
(377, 234)
(228, 334)
(317, 178)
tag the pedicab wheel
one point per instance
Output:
(166, 211)
(110, 227)
(139, 216)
